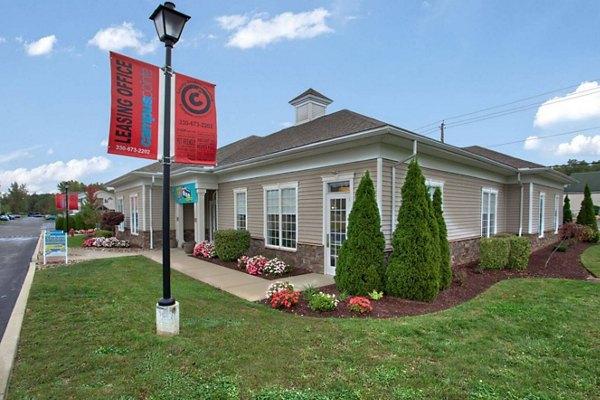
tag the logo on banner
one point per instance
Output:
(195, 99)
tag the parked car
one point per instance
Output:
(50, 217)
(4, 217)
(10, 216)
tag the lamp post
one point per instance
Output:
(169, 24)
(67, 208)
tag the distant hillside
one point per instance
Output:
(577, 166)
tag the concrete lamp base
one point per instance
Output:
(167, 320)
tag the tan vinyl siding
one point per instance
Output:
(526, 213)
(126, 195)
(513, 202)
(548, 208)
(310, 199)
(386, 212)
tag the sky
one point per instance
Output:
(519, 77)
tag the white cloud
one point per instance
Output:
(532, 143)
(43, 46)
(104, 143)
(18, 154)
(582, 104)
(45, 177)
(259, 31)
(121, 37)
(580, 144)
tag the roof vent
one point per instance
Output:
(310, 105)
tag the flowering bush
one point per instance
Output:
(205, 249)
(360, 305)
(105, 242)
(276, 267)
(323, 302)
(85, 231)
(285, 298)
(277, 287)
(253, 265)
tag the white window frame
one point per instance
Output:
(541, 214)
(490, 192)
(236, 221)
(279, 187)
(430, 183)
(121, 209)
(134, 223)
(556, 212)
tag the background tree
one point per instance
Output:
(567, 214)
(74, 186)
(586, 214)
(445, 259)
(413, 267)
(110, 219)
(16, 200)
(359, 268)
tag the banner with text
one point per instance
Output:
(134, 107)
(195, 121)
(60, 202)
(185, 194)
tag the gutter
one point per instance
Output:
(413, 155)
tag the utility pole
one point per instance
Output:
(442, 131)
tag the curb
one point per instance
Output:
(8, 346)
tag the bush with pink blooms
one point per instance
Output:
(276, 267)
(282, 295)
(105, 242)
(205, 249)
(253, 265)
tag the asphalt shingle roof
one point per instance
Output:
(502, 158)
(313, 92)
(592, 179)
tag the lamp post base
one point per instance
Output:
(167, 320)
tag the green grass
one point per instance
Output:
(89, 333)
(591, 260)
(77, 240)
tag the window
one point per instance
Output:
(432, 185)
(541, 226)
(240, 205)
(281, 216)
(134, 218)
(556, 213)
(121, 209)
(489, 207)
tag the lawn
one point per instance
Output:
(591, 260)
(77, 240)
(89, 334)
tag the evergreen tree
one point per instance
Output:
(586, 215)
(445, 260)
(567, 214)
(413, 269)
(359, 268)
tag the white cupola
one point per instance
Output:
(310, 105)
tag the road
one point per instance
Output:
(18, 239)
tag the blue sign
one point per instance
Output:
(55, 245)
(185, 194)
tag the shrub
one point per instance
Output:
(567, 214)
(494, 252)
(110, 219)
(204, 249)
(575, 233)
(375, 295)
(359, 268)
(520, 247)
(79, 224)
(276, 267)
(101, 233)
(253, 265)
(445, 260)
(284, 298)
(309, 292)
(230, 244)
(587, 216)
(278, 286)
(360, 305)
(105, 242)
(413, 267)
(323, 302)
(459, 277)
(59, 224)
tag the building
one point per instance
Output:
(293, 189)
(575, 190)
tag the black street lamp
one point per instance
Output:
(169, 25)
(67, 208)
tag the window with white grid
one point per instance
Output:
(489, 206)
(121, 209)
(134, 218)
(556, 213)
(241, 215)
(281, 217)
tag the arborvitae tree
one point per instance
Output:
(359, 268)
(586, 215)
(445, 260)
(413, 269)
(567, 214)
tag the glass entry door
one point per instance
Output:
(338, 204)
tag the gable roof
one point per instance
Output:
(310, 92)
(502, 158)
(592, 179)
(330, 126)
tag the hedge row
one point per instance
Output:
(504, 251)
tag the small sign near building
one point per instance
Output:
(55, 245)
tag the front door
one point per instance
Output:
(338, 203)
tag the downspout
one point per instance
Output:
(520, 204)
(414, 153)
(151, 211)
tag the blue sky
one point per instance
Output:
(408, 63)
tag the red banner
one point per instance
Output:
(60, 202)
(195, 121)
(134, 107)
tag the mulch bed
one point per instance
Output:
(233, 265)
(562, 265)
